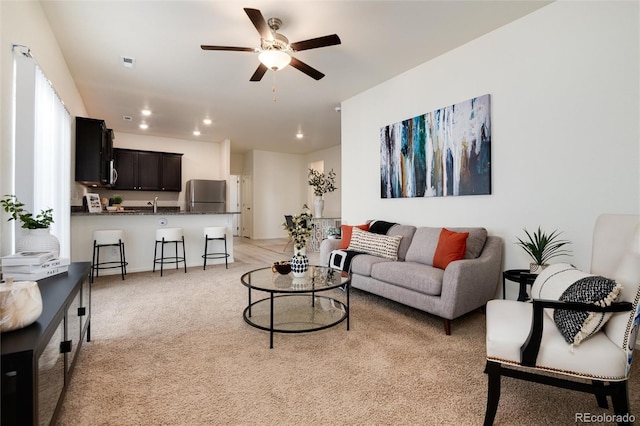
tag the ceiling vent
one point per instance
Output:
(127, 118)
(128, 62)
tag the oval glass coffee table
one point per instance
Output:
(294, 304)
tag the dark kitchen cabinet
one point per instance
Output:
(38, 360)
(148, 170)
(94, 145)
(171, 172)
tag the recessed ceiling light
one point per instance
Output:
(144, 126)
(146, 112)
(196, 133)
(207, 121)
(299, 135)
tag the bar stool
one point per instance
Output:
(215, 233)
(167, 236)
(108, 238)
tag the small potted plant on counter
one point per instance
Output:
(542, 247)
(116, 201)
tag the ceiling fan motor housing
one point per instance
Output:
(279, 42)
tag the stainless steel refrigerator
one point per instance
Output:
(206, 195)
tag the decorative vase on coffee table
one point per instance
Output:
(299, 262)
(39, 239)
(318, 206)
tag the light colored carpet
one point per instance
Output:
(176, 351)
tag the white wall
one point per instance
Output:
(565, 107)
(277, 190)
(23, 22)
(279, 187)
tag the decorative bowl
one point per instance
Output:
(282, 267)
(20, 303)
(111, 208)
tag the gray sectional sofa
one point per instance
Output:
(465, 285)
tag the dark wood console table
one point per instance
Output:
(37, 360)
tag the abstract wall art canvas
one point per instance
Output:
(446, 152)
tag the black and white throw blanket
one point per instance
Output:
(341, 259)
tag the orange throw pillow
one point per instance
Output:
(346, 234)
(451, 246)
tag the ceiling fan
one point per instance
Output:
(275, 51)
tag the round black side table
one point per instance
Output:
(522, 277)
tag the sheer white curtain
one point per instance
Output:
(42, 139)
(52, 169)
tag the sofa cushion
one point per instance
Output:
(379, 245)
(363, 263)
(415, 276)
(423, 245)
(451, 247)
(406, 232)
(346, 231)
(475, 241)
(562, 281)
(425, 241)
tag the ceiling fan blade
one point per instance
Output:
(311, 72)
(314, 43)
(257, 76)
(259, 22)
(231, 48)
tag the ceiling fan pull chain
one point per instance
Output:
(273, 89)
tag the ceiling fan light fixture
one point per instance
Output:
(274, 59)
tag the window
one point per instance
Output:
(42, 144)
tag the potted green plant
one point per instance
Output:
(116, 201)
(299, 233)
(321, 184)
(543, 247)
(36, 235)
(333, 232)
(14, 207)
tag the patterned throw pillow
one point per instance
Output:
(345, 238)
(378, 245)
(562, 281)
(577, 326)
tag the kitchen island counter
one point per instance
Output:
(148, 212)
(140, 227)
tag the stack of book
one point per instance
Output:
(33, 265)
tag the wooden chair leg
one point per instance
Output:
(599, 391)
(620, 399)
(447, 326)
(493, 392)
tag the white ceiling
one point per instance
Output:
(183, 84)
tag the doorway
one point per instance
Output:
(247, 218)
(234, 203)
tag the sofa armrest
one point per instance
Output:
(470, 283)
(326, 247)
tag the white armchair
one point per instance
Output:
(526, 341)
